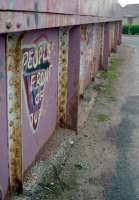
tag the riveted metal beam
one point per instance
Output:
(106, 46)
(101, 32)
(23, 21)
(73, 80)
(95, 49)
(63, 75)
(14, 110)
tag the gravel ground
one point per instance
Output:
(103, 163)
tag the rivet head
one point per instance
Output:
(8, 25)
(18, 25)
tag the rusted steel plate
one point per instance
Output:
(101, 44)
(113, 37)
(107, 8)
(22, 21)
(88, 7)
(106, 46)
(4, 174)
(110, 38)
(95, 49)
(63, 75)
(39, 77)
(86, 58)
(73, 78)
(14, 109)
(119, 32)
(60, 6)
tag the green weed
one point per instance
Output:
(103, 88)
(102, 117)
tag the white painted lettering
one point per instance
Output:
(25, 59)
(33, 81)
(40, 54)
(30, 59)
(35, 59)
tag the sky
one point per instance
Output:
(124, 2)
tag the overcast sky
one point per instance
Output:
(124, 2)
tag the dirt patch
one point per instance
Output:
(98, 166)
(88, 172)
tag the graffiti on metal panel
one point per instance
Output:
(36, 69)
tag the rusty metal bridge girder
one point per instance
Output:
(23, 21)
(14, 110)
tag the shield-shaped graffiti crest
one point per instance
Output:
(36, 71)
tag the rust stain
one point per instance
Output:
(95, 47)
(14, 110)
(63, 75)
(101, 43)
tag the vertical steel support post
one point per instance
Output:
(114, 35)
(95, 50)
(120, 33)
(73, 78)
(106, 47)
(110, 38)
(14, 110)
(63, 75)
(101, 67)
